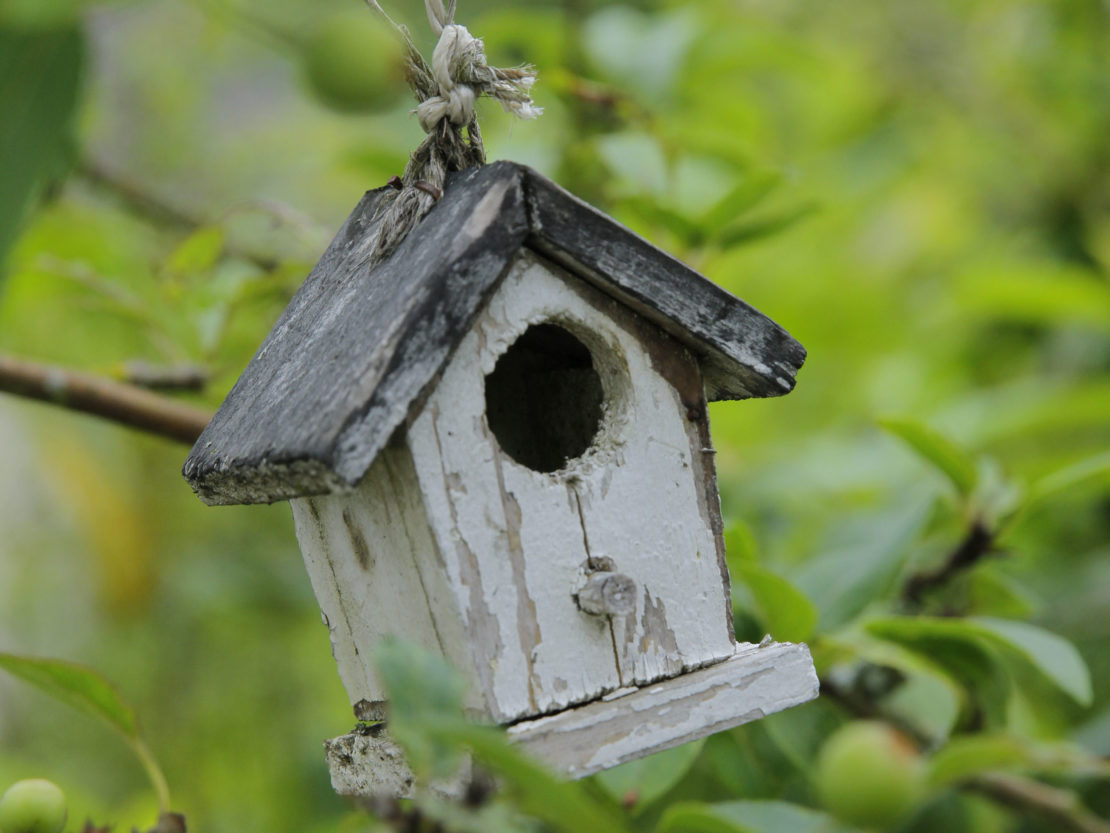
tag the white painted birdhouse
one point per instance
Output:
(495, 443)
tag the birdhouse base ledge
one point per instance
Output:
(757, 680)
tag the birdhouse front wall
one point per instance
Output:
(567, 439)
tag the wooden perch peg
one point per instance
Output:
(608, 594)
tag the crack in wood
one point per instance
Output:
(675, 363)
(526, 605)
(709, 500)
(650, 718)
(590, 561)
(358, 540)
(482, 625)
(398, 489)
(342, 604)
(593, 564)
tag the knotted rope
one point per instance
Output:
(446, 91)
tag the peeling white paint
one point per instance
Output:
(451, 543)
(514, 539)
(376, 573)
(603, 734)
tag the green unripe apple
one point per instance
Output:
(33, 806)
(353, 63)
(869, 774)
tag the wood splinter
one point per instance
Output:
(608, 594)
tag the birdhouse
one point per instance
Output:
(495, 444)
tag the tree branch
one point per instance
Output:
(180, 377)
(856, 704)
(141, 202)
(977, 544)
(126, 404)
(1062, 809)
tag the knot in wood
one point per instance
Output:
(607, 594)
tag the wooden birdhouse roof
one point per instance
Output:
(357, 349)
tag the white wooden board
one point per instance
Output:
(376, 572)
(515, 540)
(756, 681)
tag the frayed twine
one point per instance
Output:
(446, 90)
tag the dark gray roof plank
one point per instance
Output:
(744, 353)
(356, 352)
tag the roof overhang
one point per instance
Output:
(357, 349)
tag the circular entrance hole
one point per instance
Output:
(544, 398)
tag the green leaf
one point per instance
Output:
(786, 612)
(197, 253)
(636, 161)
(42, 14)
(1094, 735)
(422, 688)
(997, 496)
(926, 676)
(90, 692)
(461, 817)
(797, 734)
(642, 51)
(650, 778)
(748, 817)
(699, 818)
(75, 685)
(970, 755)
(740, 543)
(40, 81)
(927, 702)
(1092, 469)
(948, 458)
(991, 593)
(757, 229)
(564, 805)
(1038, 293)
(425, 717)
(1052, 656)
(421, 684)
(1055, 657)
(844, 580)
(653, 211)
(745, 196)
(959, 649)
(745, 762)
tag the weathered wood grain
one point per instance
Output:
(743, 352)
(512, 548)
(352, 355)
(755, 682)
(372, 765)
(519, 543)
(357, 350)
(376, 572)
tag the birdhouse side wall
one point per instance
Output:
(518, 543)
(377, 572)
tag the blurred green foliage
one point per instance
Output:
(919, 192)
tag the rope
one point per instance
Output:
(446, 91)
